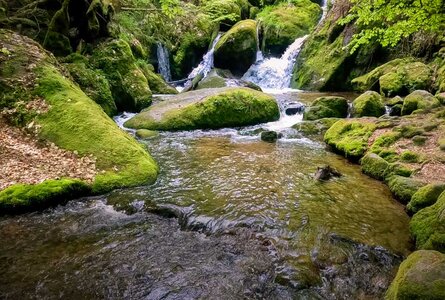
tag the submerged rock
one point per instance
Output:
(208, 108)
(420, 276)
(270, 136)
(326, 173)
(419, 100)
(236, 50)
(327, 107)
(369, 104)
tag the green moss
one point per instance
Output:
(425, 197)
(227, 12)
(129, 86)
(403, 187)
(76, 123)
(229, 107)
(327, 107)
(419, 100)
(442, 144)
(317, 127)
(409, 156)
(374, 166)
(385, 140)
(419, 140)
(399, 169)
(156, 83)
(391, 84)
(350, 137)
(409, 131)
(368, 104)
(28, 197)
(236, 50)
(94, 84)
(428, 226)
(420, 276)
(146, 134)
(283, 23)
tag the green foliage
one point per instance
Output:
(388, 22)
(27, 197)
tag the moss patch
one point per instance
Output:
(404, 187)
(374, 166)
(425, 197)
(368, 104)
(21, 198)
(350, 137)
(327, 107)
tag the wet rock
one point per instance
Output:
(326, 173)
(270, 136)
(420, 276)
(236, 50)
(369, 104)
(294, 108)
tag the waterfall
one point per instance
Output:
(206, 64)
(259, 53)
(164, 62)
(276, 73)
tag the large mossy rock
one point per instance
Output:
(428, 226)
(92, 81)
(129, 86)
(283, 23)
(211, 108)
(72, 121)
(350, 137)
(425, 196)
(368, 104)
(396, 77)
(226, 12)
(420, 276)
(327, 107)
(236, 50)
(419, 100)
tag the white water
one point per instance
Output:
(164, 62)
(206, 64)
(275, 73)
(122, 118)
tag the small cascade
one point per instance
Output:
(206, 64)
(259, 53)
(275, 73)
(164, 62)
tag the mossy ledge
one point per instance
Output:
(73, 121)
(21, 198)
(208, 109)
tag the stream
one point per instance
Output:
(230, 217)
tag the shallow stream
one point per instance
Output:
(230, 217)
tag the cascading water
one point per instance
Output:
(275, 73)
(206, 64)
(164, 62)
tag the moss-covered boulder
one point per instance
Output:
(146, 134)
(428, 226)
(21, 198)
(72, 121)
(129, 86)
(92, 81)
(226, 12)
(283, 23)
(211, 108)
(327, 107)
(375, 166)
(368, 104)
(350, 137)
(156, 83)
(425, 197)
(396, 77)
(404, 187)
(314, 128)
(420, 276)
(236, 50)
(419, 100)
(218, 78)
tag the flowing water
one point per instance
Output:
(164, 62)
(230, 217)
(206, 64)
